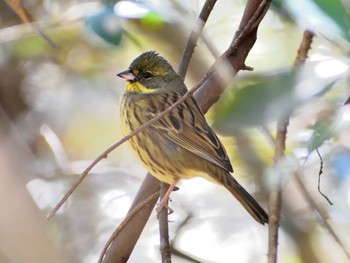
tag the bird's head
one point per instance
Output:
(149, 73)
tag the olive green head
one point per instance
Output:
(150, 72)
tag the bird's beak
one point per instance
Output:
(127, 75)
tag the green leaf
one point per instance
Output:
(327, 17)
(268, 99)
(106, 25)
(323, 130)
(337, 12)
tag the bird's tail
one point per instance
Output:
(247, 201)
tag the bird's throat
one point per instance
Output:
(137, 87)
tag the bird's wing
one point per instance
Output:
(187, 127)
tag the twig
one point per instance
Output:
(248, 26)
(275, 199)
(125, 222)
(191, 43)
(315, 207)
(304, 47)
(347, 101)
(16, 6)
(164, 228)
(123, 244)
(320, 172)
(308, 35)
(252, 24)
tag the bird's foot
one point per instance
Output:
(162, 205)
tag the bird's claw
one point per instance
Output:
(160, 206)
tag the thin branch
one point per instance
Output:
(306, 43)
(191, 43)
(17, 8)
(275, 199)
(251, 24)
(165, 250)
(125, 222)
(315, 207)
(320, 172)
(304, 48)
(123, 244)
(347, 101)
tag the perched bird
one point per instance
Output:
(181, 145)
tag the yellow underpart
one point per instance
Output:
(137, 87)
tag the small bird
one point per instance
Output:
(181, 145)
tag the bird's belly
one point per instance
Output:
(162, 158)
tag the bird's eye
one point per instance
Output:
(147, 75)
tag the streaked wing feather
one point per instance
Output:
(187, 127)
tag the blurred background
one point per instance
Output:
(59, 109)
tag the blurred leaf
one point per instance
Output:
(30, 47)
(337, 12)
(328, 17)
(153, 20)
(267, 98)
(323, 130)
(105, 24)
(264, 101)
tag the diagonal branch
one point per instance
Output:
(191, 43)
(17, 7)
